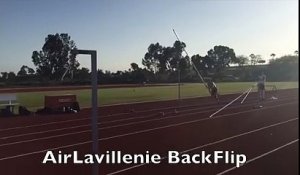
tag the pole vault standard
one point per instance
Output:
(191, 61)
(94, 118)
(179, 79)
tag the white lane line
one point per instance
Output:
(143, 131)
(246, 96)
(114, 126)
(107, 122)
(130, 168)
(258, 157)
(111, 115)
(73, 127)
(140, 131)
(112, 121)
(106, 116)
(157, 119)
(44, 124)
(228, 104)
(209, 144)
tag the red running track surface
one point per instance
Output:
(268, 136)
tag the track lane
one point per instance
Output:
(230, 144)
(56, 129)
(283, 161)
(131, 140)
(123, 128)
(263, 142)
(116, 110)
(151, 133)
(117, 129)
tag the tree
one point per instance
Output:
(242, 60)
(152, 57)
(25, 70)
(161, 59)
(30, 71)
(4, 76)
(134, 66)
(253, 60)
(296, 52)
(176, 56)
(137, 75)
(203, 64)
(287, 59)
(55, 57)
(221, 56)
(273, 55)
(22, 71)
(184, 64)
(82, 74)
(11, 76)
(285, 68)
(8, 76)
(259, 59)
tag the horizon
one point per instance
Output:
(121, 31)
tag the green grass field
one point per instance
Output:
(34, 100)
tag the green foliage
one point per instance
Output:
(221, 56)
(25, 71)
(203, 64)
(241, 60)
(134, 66)
(161, 65)
(51, 62)
(153, 58)
(255, 59)
(285, 68)
(82, 74)
(165, 59)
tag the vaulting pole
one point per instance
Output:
(191, 61)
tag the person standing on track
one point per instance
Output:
(261, 86)
(213, 90)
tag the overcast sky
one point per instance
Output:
(122, 30)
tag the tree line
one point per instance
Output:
(56, 64)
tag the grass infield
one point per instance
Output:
(34, 100)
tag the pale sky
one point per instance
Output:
(122, 30)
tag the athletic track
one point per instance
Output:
(268, 136)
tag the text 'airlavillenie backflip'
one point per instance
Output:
(173, 157)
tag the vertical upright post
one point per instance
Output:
(94, 109)
(94, 116)
(179, 94)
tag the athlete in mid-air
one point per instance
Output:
(213, 90)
